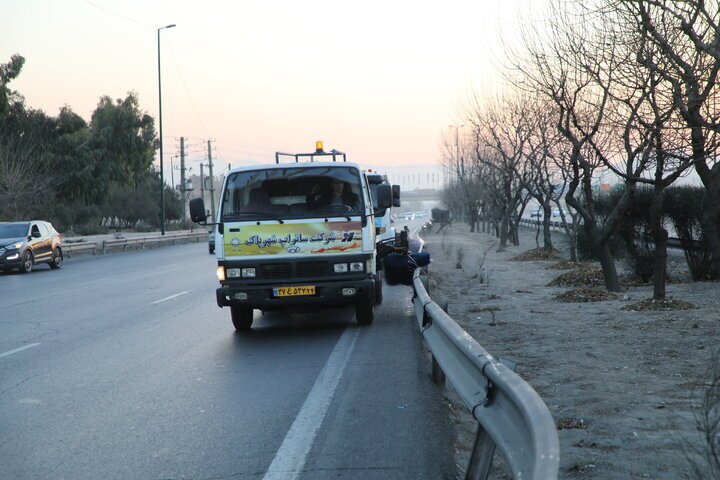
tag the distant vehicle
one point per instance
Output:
(556, 213)
(409, 216)
(537, 213)
(26, 244)
(421, 214)
(211, 240)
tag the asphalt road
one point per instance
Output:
(122, 366)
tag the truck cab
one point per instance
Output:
(384, 222)
(295, 236)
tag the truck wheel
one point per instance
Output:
(242, 318)
(364, 313)
(378, 288)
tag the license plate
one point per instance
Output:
(294, 291)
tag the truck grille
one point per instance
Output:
(276, 270)
(312, 269)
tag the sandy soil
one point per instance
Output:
(620, 384)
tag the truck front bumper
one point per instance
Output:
(326, 294)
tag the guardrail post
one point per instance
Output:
(482, 455)
(104, 247)
(438, 376)
(484, 446)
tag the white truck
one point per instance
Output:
(298, 235)
(384, 222)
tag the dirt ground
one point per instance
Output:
(620, 384)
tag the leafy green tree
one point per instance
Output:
(8, 72)
(123, 139)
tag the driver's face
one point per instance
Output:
(337, 186)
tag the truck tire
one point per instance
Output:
(378, 288)
(364, 314)
(242, 318)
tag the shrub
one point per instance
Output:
(684, 207)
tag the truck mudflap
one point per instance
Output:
(335, 293)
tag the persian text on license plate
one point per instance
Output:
(294, 291)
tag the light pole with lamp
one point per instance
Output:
(162, 178)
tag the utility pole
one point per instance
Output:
(212, 189)
(183, 182)
(202, 183)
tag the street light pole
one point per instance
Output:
(162, 177)
(457, 144)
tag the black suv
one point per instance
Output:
(25, 244)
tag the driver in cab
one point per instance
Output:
(340, 194)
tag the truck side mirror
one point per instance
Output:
(384, 197)
(396, 195)
(197, 210)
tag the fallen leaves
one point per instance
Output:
(536, 254)
(584, 295)
(665, 305)
(584, 276)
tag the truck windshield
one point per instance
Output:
(294, 192)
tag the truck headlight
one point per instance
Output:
(232, 272)
(381, 230)
(356, 267)
(221, 273)
(248, 272)
(340, 267)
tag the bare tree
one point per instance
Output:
(705, 460)
(681, 45)
(501, 130)
(24, 177)
(564, 69)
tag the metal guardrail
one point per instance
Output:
(511, 415)
(101, 248)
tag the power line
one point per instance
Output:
(115, 14)
(187, 91)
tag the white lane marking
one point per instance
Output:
(19, 349)
(291, 456)
(168, 298)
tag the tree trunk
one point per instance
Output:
(547, 240)
(612, 283)
(660, 236)
(572, 241)
(503, 232)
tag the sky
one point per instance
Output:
(379, 80)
